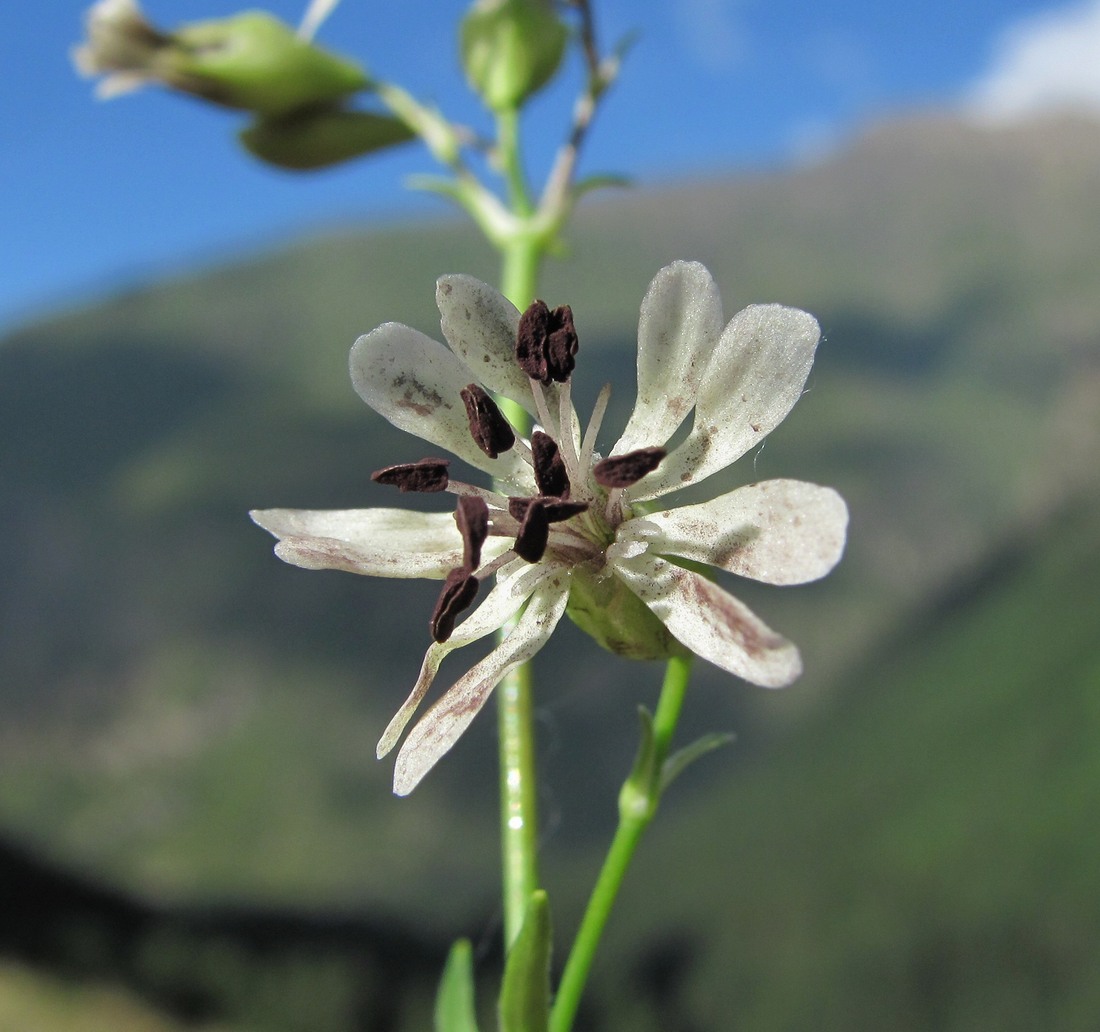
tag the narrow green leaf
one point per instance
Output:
(525, 992)
(600, 182)
(679, 761)
(454, 1003)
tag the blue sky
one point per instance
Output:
(102, 194)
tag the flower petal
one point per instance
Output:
(500, 605)
(375, 542)
(444, 723)
(777, 531)
(480, 324)
(754, 377)
(678, 329)
(710, 621)
(416, 383)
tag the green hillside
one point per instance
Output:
(190, 719)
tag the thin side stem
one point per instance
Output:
(637, 805)
(515, 706)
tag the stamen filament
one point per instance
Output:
(588, 445)
(566, 444)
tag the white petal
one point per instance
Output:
(711, 622)
(375, 542)
(755, 376)
(444, 723)
(777, 531)
(416, 383)
(678, 329)
(480, 325)
(499, 606)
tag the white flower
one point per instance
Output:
(563, 529)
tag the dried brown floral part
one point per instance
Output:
(557, 509)
(488, 427)
(550, 474)
(534, 532)
(472, 517)
(624, 470)
(459, 590)
(426, 476)
(546, 343)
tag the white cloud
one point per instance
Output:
(1047, 62)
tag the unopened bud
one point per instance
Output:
(511, 49)
(251, 60)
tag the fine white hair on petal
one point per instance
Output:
(374, 542)
(499, 606)
(711, 622)
(776, 531)
(416, 383)
(755, 375)
(678, 329)
(442, 726)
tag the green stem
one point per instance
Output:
(518, 784)
(637, 804)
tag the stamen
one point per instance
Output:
(550, 473)
(472, 517)
(557, 510)
(534, 532)
(588, 445)
(488, 427)
(565, 437)
(427, 476)
(546, 343)
(458, 592)
(543, 409)
(624, 470)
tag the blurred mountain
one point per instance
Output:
(183, 715)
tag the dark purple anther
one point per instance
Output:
(427, 475)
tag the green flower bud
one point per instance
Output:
(511, 49)
(319, 137)
(608, 611)
(250, 60)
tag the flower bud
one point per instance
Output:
(510, 49)
(319, 137)
(250, 60)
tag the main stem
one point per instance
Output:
(515, 707)
(637, 805)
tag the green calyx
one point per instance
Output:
(510, 49)
(609, 612)
(255, 62)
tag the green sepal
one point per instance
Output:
(454, 1002)
(610, 613)
(321, 137)
(525, 991)
(680, 760)
(510, 49)
(255, 62)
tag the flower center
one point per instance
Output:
(578, 507)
